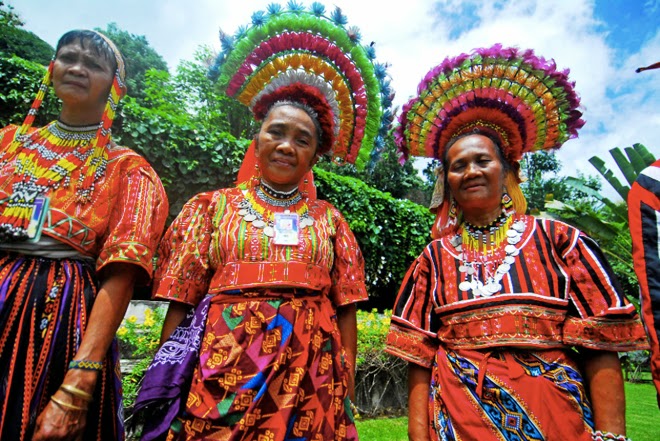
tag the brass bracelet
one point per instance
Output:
(76, 392)
(66, 405)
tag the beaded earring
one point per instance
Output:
(507, 203)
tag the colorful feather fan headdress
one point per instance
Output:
(315, 55)
(518, 97)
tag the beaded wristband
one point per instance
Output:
(86, 365)
(607, 436)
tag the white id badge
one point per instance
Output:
(39, 210)
(287, 226)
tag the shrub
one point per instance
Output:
(139, 341)
(381, 379)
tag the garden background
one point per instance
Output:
(201, 149)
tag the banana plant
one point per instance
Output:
(607, 223)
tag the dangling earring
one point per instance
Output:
(256, 178)
(507, 203)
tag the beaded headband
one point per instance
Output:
(303, 55)
(117, 91)
(516, 96)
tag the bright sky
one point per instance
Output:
(602, 42)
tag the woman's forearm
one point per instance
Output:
(107, 314)
(604, 381)
(419, 384)
(347, 323)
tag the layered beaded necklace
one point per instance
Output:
(45, 161)
(487, 253)
(258, 209)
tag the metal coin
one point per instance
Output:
(465, 286)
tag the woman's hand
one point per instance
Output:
(59, 421)
(63, 419)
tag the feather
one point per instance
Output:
(338, 17)
(317, 9)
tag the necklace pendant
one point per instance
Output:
(513, 240)
(249, 217)
(306, 222)
(269, 231)
(462, 268)
(258, 223)
(503, 268)
(509, 259)
(465, 286)
(242, 212)
(493, 287)
(519, 226)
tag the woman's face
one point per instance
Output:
(286, 147)
(475, 175)
(82, 77)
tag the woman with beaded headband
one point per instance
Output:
(259, 341)
(511, 324)
(80, 218)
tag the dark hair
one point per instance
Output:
(95, 41)
(308, 110)
(506, 166)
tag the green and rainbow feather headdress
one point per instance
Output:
(304, 55)
(518, 97)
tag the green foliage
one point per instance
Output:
(19, 83)
(638, 158)
(9, 17)
(372, 330)
(17, 41)
(402, 181)
(391, 232)
(25, 44)
(188, 157)
(543, 182)
(139, 340)
(139, 57)
(607, 221)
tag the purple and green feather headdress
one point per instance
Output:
(515, 95)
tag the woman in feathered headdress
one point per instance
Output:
(80, 219)
(511, 323)
(266, 275)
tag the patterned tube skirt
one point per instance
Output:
(44, 307)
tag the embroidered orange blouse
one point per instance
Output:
(124, 220)
(210, 248)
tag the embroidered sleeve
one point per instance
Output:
(137, 220)
(183, 270)
(347, 273)
(605, 319)
(412, 334)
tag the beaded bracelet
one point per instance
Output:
(66, 405)
(76, 392)
(86, 365)
(607, 436)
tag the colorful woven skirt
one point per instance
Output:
(268, 369)
(44, 308)
(508, 395)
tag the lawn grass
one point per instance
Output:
(642, 417)
(642, 414)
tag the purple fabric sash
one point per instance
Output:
(166, 383)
